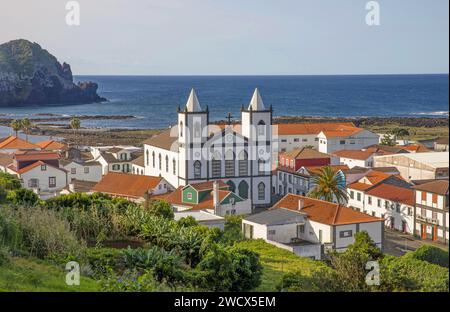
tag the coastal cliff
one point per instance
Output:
(30, 75)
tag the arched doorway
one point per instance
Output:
(243, 189)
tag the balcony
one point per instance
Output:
(427, 220)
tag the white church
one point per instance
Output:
(196, 151)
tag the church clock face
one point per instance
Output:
(229, 138)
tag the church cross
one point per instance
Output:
(228, 118)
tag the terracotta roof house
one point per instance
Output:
(302, 157)
(432, 210)
(12, 144)
(415, 148)
(311, 227)
(354, 158)
(136, 188)
(52, 145)
(215, 197)
(5, 161)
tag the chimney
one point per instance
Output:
(301, 204)
(215, 196)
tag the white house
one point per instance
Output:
(195, 151)
(353, 158)
(293, 136)
(431, 210)
(310, 227)
(203, 217)
(41, 177)
(345, 138)
(138, 165)
(82, 171)
(115, 158)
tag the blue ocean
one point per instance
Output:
(154, 99)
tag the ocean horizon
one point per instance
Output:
(153, 100)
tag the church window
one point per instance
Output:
(167, 163)
(147, 158)
(197, 169)
(216, 165)
(261, 128)
(243, 189)
(197, 130)
(261, 166)
(181, 129)
(160, 162)
(243, 163)
(174, 164)
(153, 156)
(229, 163)
(261, 191)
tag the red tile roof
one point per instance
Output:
(375, 177)
(204, 186)
(393, 193)
(359, 186)
(13, 142)
(354, 154)
(32, 166)
(126, 185)
(325, 212)
(305, 153)
(310, 128)
(35, 155)
(417, 148)
(316, 169)
(437, 187)
(52, 145)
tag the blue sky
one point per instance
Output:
(245, 37)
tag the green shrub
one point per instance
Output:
(9, 182)
(161, 209)
(23, 197)
(431, 254)
(320, 280)
(4, 256)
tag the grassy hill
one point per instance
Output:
(25, 274)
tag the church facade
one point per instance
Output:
(196, 151)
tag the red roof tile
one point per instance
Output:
(13, 142)
(310, 128)
(126, 185)
(324, 212)
(393, 193)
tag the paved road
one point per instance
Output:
(397, 243)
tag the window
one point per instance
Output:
(352, 194)
(52, 182)
(248, 230)
(301, 228)
(423, 213)
(216, 164)
(197, 130)
(73, 170)
(345, 234)
(160, 161)
(373, 213)
(316, 139)
(189, 196)
(115, 167)
(229, 163)
(243, 163)
(174, 166)
(352, 142)
(305, 140)
(358, 196)
(261, 166)
(434, 215)
(280, 175)
(147, 158)
(86, 170)
(296, 140)
(232, 201)
(369, 200)
(181, 129)
(410, 212)
(243, 189)
(379, 203)
(261, 191)
(280, 189)
(271, 232)
(197, 169)
(43, 167)
(167, 163)
(342, 142)
(261, 128)
(33, 183)
(290, 178)
(283, 140)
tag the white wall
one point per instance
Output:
(43, 177)
(83, 173)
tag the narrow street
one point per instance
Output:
(398, 244)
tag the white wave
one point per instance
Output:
(438, 113)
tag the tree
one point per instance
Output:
(16, 125)
(162, 209)
(75, 124)
(400, 132)
(26, 125)
(329, 185)
(387, 140)
(22, 197)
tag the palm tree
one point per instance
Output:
(16, 125)
(26, 125)
(75, 124)
(329, 185)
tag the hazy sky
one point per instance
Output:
(153, 37)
